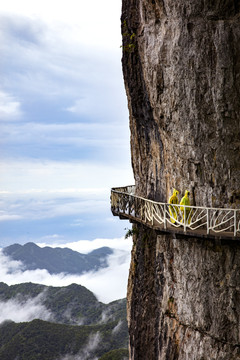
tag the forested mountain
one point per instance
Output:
(57, 260)
(71, 304)
(103, 326)
(50, 341)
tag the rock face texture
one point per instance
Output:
(183, 298)
(181, 65)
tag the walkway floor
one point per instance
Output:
(179, 230)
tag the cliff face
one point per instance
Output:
(183, 298)
(181, 65)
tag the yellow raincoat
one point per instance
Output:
(173, 209)
(185, 201)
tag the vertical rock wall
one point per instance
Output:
(181, 65)
(183, 298)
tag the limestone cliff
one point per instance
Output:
(181, 65)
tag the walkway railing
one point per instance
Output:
(184, 218)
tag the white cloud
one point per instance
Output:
(86, 246)
(72, 134)
(25, 207)
(10, 108)
(68, 316)
(58, 56)
(21, 176)
(109, 104)
(48, 189)
(98, 19)
(9, 217)
(85, 354)
(108, 284)
(65, 57)
(117, 327)
(105, 316)
(19, 310)
(111, 282)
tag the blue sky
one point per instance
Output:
(64, 120)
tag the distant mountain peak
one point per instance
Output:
(58, 260)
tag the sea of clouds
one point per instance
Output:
(108, 284)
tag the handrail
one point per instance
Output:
(184, 218)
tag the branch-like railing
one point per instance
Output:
(201, 220)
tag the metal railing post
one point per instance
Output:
(164, 216)
(208, 225)
(152, 214)
(235, 223)
(135, 206)
(184, 218)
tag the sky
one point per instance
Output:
(64, 121)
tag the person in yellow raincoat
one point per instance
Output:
(185, 201)
(173, 209)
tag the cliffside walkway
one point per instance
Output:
(192, 220)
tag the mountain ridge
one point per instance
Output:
(79, 322)
(58, 260)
